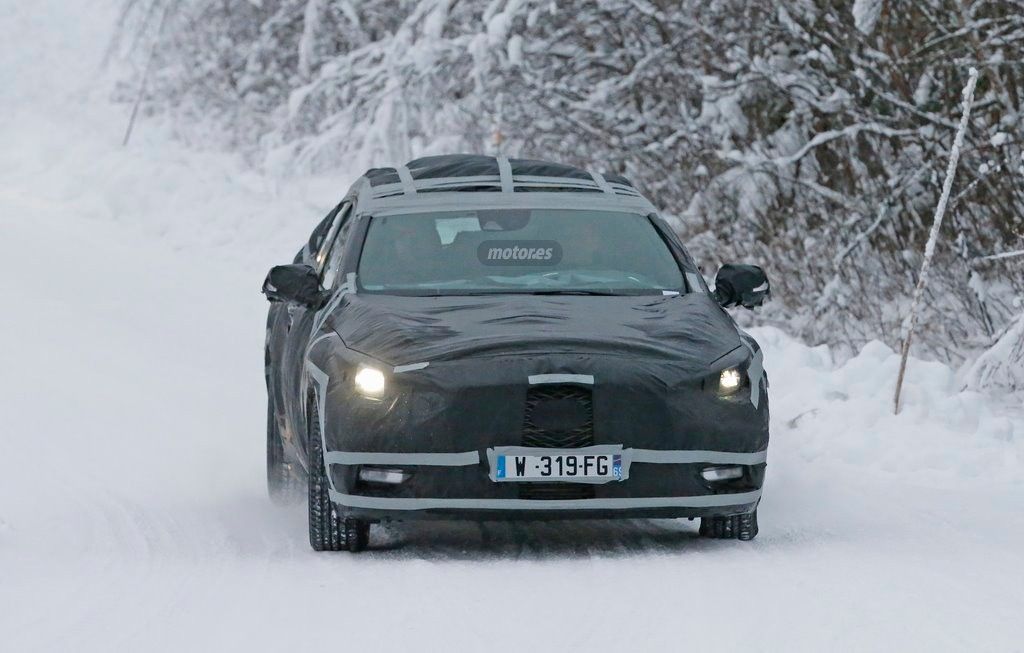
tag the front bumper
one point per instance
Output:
(660, 484)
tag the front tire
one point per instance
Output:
(283, 483)
(328, 531)
(734, 527)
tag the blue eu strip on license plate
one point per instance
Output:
(559, 467)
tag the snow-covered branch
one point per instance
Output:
(781, 128)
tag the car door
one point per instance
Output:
(280, 316)
(300, 322)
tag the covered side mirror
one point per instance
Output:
(297, 283)
(745, 285)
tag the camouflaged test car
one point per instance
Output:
(474, 337)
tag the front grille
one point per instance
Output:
(558, 417)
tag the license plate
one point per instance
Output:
(559, 467)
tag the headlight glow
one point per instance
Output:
(729, 380)
(370, 381)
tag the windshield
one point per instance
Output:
(517, 250)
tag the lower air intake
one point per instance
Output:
(556, 491)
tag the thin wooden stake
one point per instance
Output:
(145, 76)
(933, 236)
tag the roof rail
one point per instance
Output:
(423, 182)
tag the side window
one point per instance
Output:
(337, 247)
(310, 252)
(694, 281)
(320, 243)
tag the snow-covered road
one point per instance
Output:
(133, 515)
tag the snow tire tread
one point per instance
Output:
(733, 527)
(328, 531)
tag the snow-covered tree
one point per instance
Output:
(809, 137)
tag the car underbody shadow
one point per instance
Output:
(465, 540)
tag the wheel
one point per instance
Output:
(328, 531)
(734, 527)
(283, 481)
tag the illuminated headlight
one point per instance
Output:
(729, 381)
(370, 381)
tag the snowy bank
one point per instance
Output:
(842, 414)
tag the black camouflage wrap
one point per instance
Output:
(655, 362)
(458, 374)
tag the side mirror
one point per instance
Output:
(745, 285)
(297, 283)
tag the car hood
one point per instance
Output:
(689, 330)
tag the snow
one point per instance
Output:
(132, 509)
(310, 25)
(866, 14)
(515, 50)
(1002, 365)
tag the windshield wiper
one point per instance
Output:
(570, 292)
(519, 291)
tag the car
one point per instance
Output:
(485, 338)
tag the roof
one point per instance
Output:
(459, 181)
